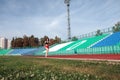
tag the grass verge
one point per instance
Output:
(27, 68)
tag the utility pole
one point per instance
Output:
(67, 2)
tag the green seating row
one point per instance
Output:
(4, 51)
(100, 50)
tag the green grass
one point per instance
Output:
(28, 68)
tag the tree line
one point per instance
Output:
(31, 41)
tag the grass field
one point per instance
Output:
(29, 68)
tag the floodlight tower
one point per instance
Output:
(67, 2)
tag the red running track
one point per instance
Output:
(89, 56)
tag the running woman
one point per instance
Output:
(46, 47)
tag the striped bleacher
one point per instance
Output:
(102, 44)
(83, 43)
(4, 51)
(114, 39)
(71, 47)
(20, 51)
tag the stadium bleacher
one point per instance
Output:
(88, 45)
(114, 39)
(102, 44)
(71, 47)
(39, 51)
(4, 51)
(26, 51)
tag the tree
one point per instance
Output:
(116, 28)
(98, 32)
(41, 41)
(74, 38)
(25, 41)
(52, 41)
(13, 43)
(33, 42)
(19, 42)
(117, 24)
(36, 42)
(57, 39)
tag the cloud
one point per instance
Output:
(44, 17)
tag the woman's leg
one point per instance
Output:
(46, 52)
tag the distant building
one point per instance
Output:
(4, 43)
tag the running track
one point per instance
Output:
(115, 57)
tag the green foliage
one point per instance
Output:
(27, 68)
(116, 28)
(25, 42)
(98, 32)
(74, 38)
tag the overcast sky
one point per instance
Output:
(49, 17)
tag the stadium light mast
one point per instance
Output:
(67, 2)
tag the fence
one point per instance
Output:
(106, 30)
